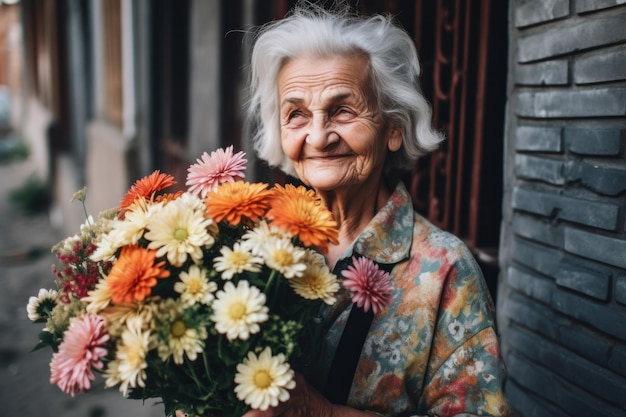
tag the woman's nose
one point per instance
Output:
(321, 134)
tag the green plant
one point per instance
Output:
(32, 197)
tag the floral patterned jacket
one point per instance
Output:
(434, 349)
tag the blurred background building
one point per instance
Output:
(531, 95)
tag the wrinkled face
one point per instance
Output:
(331, 128)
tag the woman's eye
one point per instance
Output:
(343, 113)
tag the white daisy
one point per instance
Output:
(178, 231)
(39, 307)
(284, 257)
(177, 336)
(129, 366)
(264, 381)
(107, 244)
(255, 239)
(194, 286)
(235, 261)
(237, 311)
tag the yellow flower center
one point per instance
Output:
(237, 310)
(283, 257)
(194, 286)
(178, 328)
(262, 379)
(238, 258)
(181, 234)
(133, 356)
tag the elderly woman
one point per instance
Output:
(337, 103)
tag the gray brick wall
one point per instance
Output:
(562, 292)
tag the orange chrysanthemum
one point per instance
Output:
(233, 201)
(303, 214)
(134, 274)
(146, 187)
(169, 196)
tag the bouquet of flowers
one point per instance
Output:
(202, 298)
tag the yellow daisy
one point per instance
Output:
(237, 311)
(99, 298)
(235, 261)
(264, 381)
(129, 366)
(178, 231)
(194, 287)
(316, 282)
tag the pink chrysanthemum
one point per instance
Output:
(82, 348)
(212, 170)
(369, 284)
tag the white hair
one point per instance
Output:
(394, 70)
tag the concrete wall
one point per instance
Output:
(562, 297)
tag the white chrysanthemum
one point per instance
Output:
(235, 261)
(178, 231)
(99, 298)
(107, 244)
(264, 381)
(182, 339)
(254, 240)
(129, 365)
(284, 257)
(117, 315)
(39, 307)
(316, 282)
(194, 286)
(237, 311)
(134, 224)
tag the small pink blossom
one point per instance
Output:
(212, 170)
(369, 284)
(82, 348)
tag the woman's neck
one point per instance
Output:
(353, 209)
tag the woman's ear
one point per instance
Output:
(394, 139)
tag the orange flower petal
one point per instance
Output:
(233, 201)
(303, 214)
(146, 187)
(134, 274)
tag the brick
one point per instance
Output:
(578, 210)
(538, 168)
(543, 73)
(596, 102)
(537, 257)
(532, 314)
(532, 12)
(532, 138)
(601, 177)
(599, 315)
(592, 283)
(572, 35)
(596, 247)
(601, 67)
(583, 6)
(532, 285)
(526, 404)
(620, 289)
(570, 366)
(617, 360)
(572, 400)
(591, 345)
(542, 320)
(538, 229)
(605, 142)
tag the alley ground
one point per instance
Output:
(25, 267)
